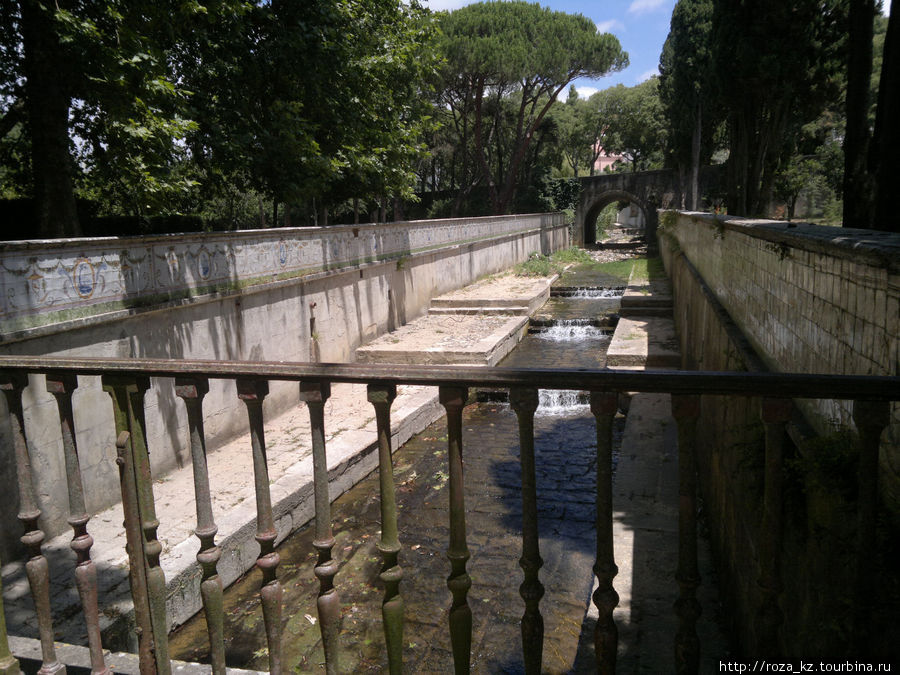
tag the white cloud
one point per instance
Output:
(610, 26)
(647, 75)
(586, 92)
(643, 6)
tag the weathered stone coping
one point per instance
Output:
(53, 285)
(873, 247)
(122, 663)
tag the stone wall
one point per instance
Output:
(762, 295)
(294, 294)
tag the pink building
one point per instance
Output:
(605, 160)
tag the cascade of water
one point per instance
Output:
(586, 293)
(598, 293)
(566, 330)
(561, 402)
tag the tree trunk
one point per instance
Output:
(695, 158)
(858, 188)
(481, 153)
(48, 122)
(887, 134)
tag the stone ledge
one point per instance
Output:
(124, 663)
(448, 339)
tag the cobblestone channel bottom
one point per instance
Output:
(565, 440)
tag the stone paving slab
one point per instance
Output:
(448, 339)
(644, 341)
(499, 291)
(28, 650)
(645, 335)
(352, 453)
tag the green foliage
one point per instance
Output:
(537, 265)
(832, 214)
(668, 220)
(648, 269)
(630, 121)
(687, 90)
(606, 219)
(505, 65)
(776, 67)
(329, 101)
(572, 254)
(182, 106)
(620, 271)
(800, 173)
(576, 135)
(560, 194)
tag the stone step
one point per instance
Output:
(641, 301)
(503, 311)
(644, 342)
(663, 310)
(443, 339)
(500, 292)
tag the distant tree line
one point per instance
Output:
(801, 95)
(228, 113)
(224, 108)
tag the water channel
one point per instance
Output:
(573, 329)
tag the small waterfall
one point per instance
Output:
(598, 293)
(561, 402)
(587, 293)
(571, 330)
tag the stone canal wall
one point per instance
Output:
(763, 295)
(293, 294)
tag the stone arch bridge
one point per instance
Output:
(649, 190)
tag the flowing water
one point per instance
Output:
(565, 454)
(583, 293)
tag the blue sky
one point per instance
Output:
(640, 25)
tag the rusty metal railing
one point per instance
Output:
(127, 380)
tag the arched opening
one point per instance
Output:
(615, 215)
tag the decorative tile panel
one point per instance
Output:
(49, 282)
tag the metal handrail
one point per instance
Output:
(789, 385)
(127, 381)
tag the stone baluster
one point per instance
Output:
(776, 412)
(148, 583)
(686, 411)
(252, 393)
(62, 386)
(315, 394)
(606, 634)
(524, 402)
(192, 391)
(381, 396)
(870, 417)
(36, 567)
(454, 399)
(9, 664)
